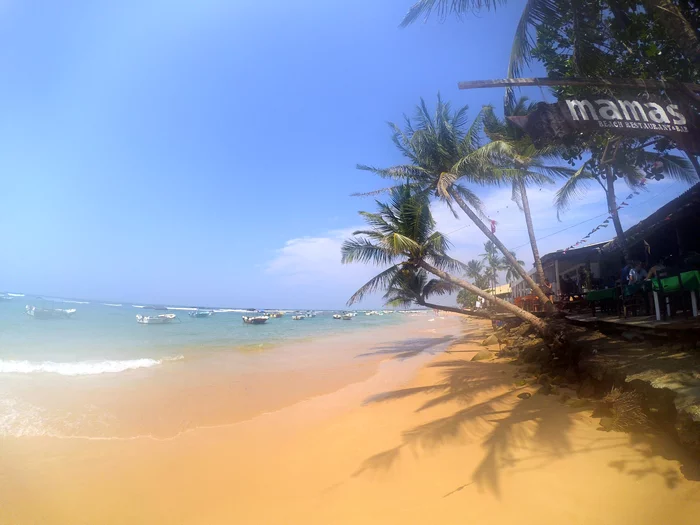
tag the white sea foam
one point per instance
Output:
(71, 301)
(229, 310)
(111, 304)
(18, 419)
(186, 308)
(138, 306)
(80, 368)
(15, 294)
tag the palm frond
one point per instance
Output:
(574, 187)
(523, 43)
(443, 8)
(401, 172)
(365, 251)
(375, 283)
(438, 287)
(469, 196)
(447, 263)
(676, 167)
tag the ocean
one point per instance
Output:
(100, 374)
(105, 337)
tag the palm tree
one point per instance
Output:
(511, 150)
(415, 286)
(534, 13)
(474, 269)
(494, 264)
(403, 235)
(440, 149)
(586, 50)
(633, 165)
(511, 274)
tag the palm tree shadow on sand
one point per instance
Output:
(409, 348)
(516, 434)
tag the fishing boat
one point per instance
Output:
(201, 313)
(347, 317)
(275, 315)
(156, 319)
(49, 313)
(337, 316)
(298, 317)
(258, 319)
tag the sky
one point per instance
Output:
(204, 152)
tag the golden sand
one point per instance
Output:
(426, 439)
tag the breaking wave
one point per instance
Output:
(79, 368)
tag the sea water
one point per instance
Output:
(105, 337)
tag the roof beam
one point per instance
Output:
(580, 81)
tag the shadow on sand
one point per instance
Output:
(409, 348)
(516, 434)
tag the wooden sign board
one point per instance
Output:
(632, 116)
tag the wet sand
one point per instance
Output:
(425, 438)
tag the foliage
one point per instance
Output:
(466, 299)
(444, 152)
(402, 234)
(410, 286)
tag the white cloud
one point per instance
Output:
(311, 268)
(468, 240)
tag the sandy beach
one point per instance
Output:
(421, 434)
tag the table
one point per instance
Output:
(689, 281)
(606, 294)
(601, 295)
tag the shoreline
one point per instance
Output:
(431, 438)
(211, 389)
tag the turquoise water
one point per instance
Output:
(101, 338)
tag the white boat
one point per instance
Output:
(258, 319)
(337, 316)
(49, 313)
(298, 317)
(156, 319)
(201, 313)
(347, 317)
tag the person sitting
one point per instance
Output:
(658, 267)
(634, 273)
(625, 273)
(640, 271)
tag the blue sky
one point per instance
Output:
(204, 152)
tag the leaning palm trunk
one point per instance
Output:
(506, 253)
(536, 322)
(461, 311)
(531, 231)
(612, 208)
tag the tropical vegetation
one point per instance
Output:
(403, 240)
(444, 152)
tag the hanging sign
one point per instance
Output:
(633, 116)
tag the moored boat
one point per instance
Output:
(337, 316)
(49, 313)
(201, 313)
(347, 317)
(156, 319)
(258, 319)
(298, 317)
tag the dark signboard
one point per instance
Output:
(628, 116)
